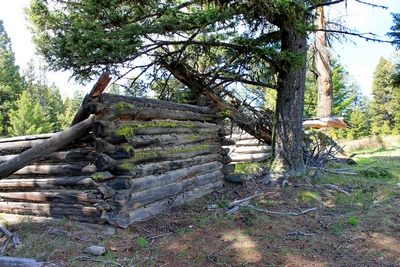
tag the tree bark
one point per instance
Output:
(54, 143)
(325, 90)
(287, 146)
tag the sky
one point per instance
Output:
(359, 59)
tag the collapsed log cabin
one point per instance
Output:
(132, 159)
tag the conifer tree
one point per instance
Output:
(11, 82)
(28, 117)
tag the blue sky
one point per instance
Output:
(359, 59)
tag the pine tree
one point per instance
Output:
(383, 105)
(28, 117)
(11, 82)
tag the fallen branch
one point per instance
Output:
(283, 213)
(335, 187)
(14, 237)
(339, 171)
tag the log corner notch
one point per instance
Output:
(331, 122)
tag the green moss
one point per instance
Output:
(193, 137)
(120, 106)
(149, 154)
(128, 166)
(129, 149)
(143, 155)
(98, 176)
(128, 131)
(224, 113)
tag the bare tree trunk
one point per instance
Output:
(325, 90)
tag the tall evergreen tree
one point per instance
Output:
(28, 117)
(11, 82)
(383, 104)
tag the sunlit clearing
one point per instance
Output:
(244, 245)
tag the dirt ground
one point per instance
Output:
(300, 225)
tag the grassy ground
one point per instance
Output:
(355, 224)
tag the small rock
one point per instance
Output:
(95, 250)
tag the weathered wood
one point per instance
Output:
(332, 122)
(64, 156)
(249, 149)
(128, 217)
(54, 143)
(20, 145)
(147, 182)
(104, 162)
(228, 168)
(145, 102)
(50, 183)
(143, 112)
(141, 170)
(60, 196)
(97, 90)
(19, 262)
(249, 157)
(145, 197)
(121, 131)
(26, 138)
(253, 142)
(166, 154)
(57, 169)
(56, 210)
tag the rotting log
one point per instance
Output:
(153, 194)
(249, 157)
(119, 131)
(59, 196)
(55, 210)
(332, 122)
(109, 99)
(168, 154)
(143, 112)
(147, 182)
(56, 142)
(49, 183)
(126, 218)
(96, 91)
(57, 169)
(146, 169)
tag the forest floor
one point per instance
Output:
(356, 223)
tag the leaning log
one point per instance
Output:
(54, 143)
(332, 122)
(97, 90)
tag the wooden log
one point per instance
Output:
(96, 91)
(78, 155)
(147, 182)
(229, 168)
(249, 149)
(20, 145)
(19, 262)
(49, 183)
(165, 154)
(164, 166)
(126, 218)
(253, 142)
(249, 157)
(140, 141)
(143, 112)
(142, 198)
(54, 210)
(60, 196)
(33, 137)
(54, 143)
(104, 162)
(124, 130)
(160, 104)
(318, 123)
(57, 169)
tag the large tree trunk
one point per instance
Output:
(287, 151)
(325, 92)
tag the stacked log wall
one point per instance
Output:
(245, 148)
(141, 157)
